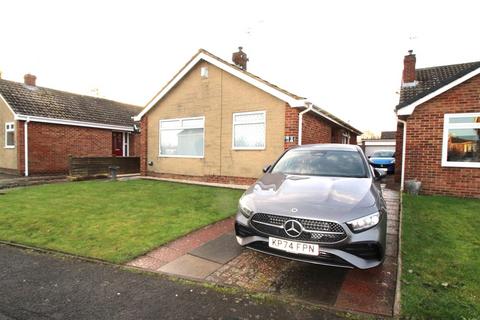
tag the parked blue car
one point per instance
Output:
(383, 160)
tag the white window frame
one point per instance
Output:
(11, 129)
(346, 138)
(446, 127)
(177, 128)
(264, 122)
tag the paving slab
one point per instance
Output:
(220, 250)
(191, 267)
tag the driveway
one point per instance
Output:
(42, 286)
(211, 254)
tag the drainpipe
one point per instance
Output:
(25, 134)
(300, 121)
(404, 147)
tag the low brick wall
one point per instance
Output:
(90, 166)
(214, 179)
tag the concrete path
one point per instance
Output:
(42, 286)
(212, 254)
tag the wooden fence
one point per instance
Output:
(91, 166)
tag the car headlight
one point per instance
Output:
(393, 161)
(364, 222)
(243, 208)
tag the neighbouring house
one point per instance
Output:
(42, 127)
(385, 142)
(216, 122)
(438, 132)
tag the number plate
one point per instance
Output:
(293, 246)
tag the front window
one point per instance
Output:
(461, 140)
(331, 163)
(249, 130)
(9, 135)
(182, 137)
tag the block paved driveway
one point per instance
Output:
(211, 254)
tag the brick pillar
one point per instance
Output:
(20, 143)
(143, 146)
(398, 151)
(291, 125)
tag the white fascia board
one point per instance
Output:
(8, 106)
(328, 118)
(225, 67)
(408, 110)
(73, 123)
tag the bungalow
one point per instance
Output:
(438, 131)
(42, 127)
(216, 122)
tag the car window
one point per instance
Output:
(383, 154)
(332, 163)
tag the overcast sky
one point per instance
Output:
(345, 56)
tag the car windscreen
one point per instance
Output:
(383, 154)
(331, 163)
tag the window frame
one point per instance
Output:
(177, 128)
(447, 126)
(6, 131)
(346, 138)
(264, 122)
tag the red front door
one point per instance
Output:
(117, 144)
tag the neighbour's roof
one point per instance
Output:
(291, 98)
(43, 102)
(388, 134)
(431, 79)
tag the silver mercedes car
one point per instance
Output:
(318, 204)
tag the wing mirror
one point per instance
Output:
(379, 174)
(266, 168)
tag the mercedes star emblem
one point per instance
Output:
(293, 228)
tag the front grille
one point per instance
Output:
(315, 230)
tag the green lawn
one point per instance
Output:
(113, 221)
(441, 258)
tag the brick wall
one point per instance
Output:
(291, 125)
(143, 145)
(398, 151)
(49, 146)
(134, 145)
(424, 143)
(315, 129)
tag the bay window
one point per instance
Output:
(182, 137)
(461, 140)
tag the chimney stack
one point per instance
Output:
(409, 68)
(240, 59)
(30, 79)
